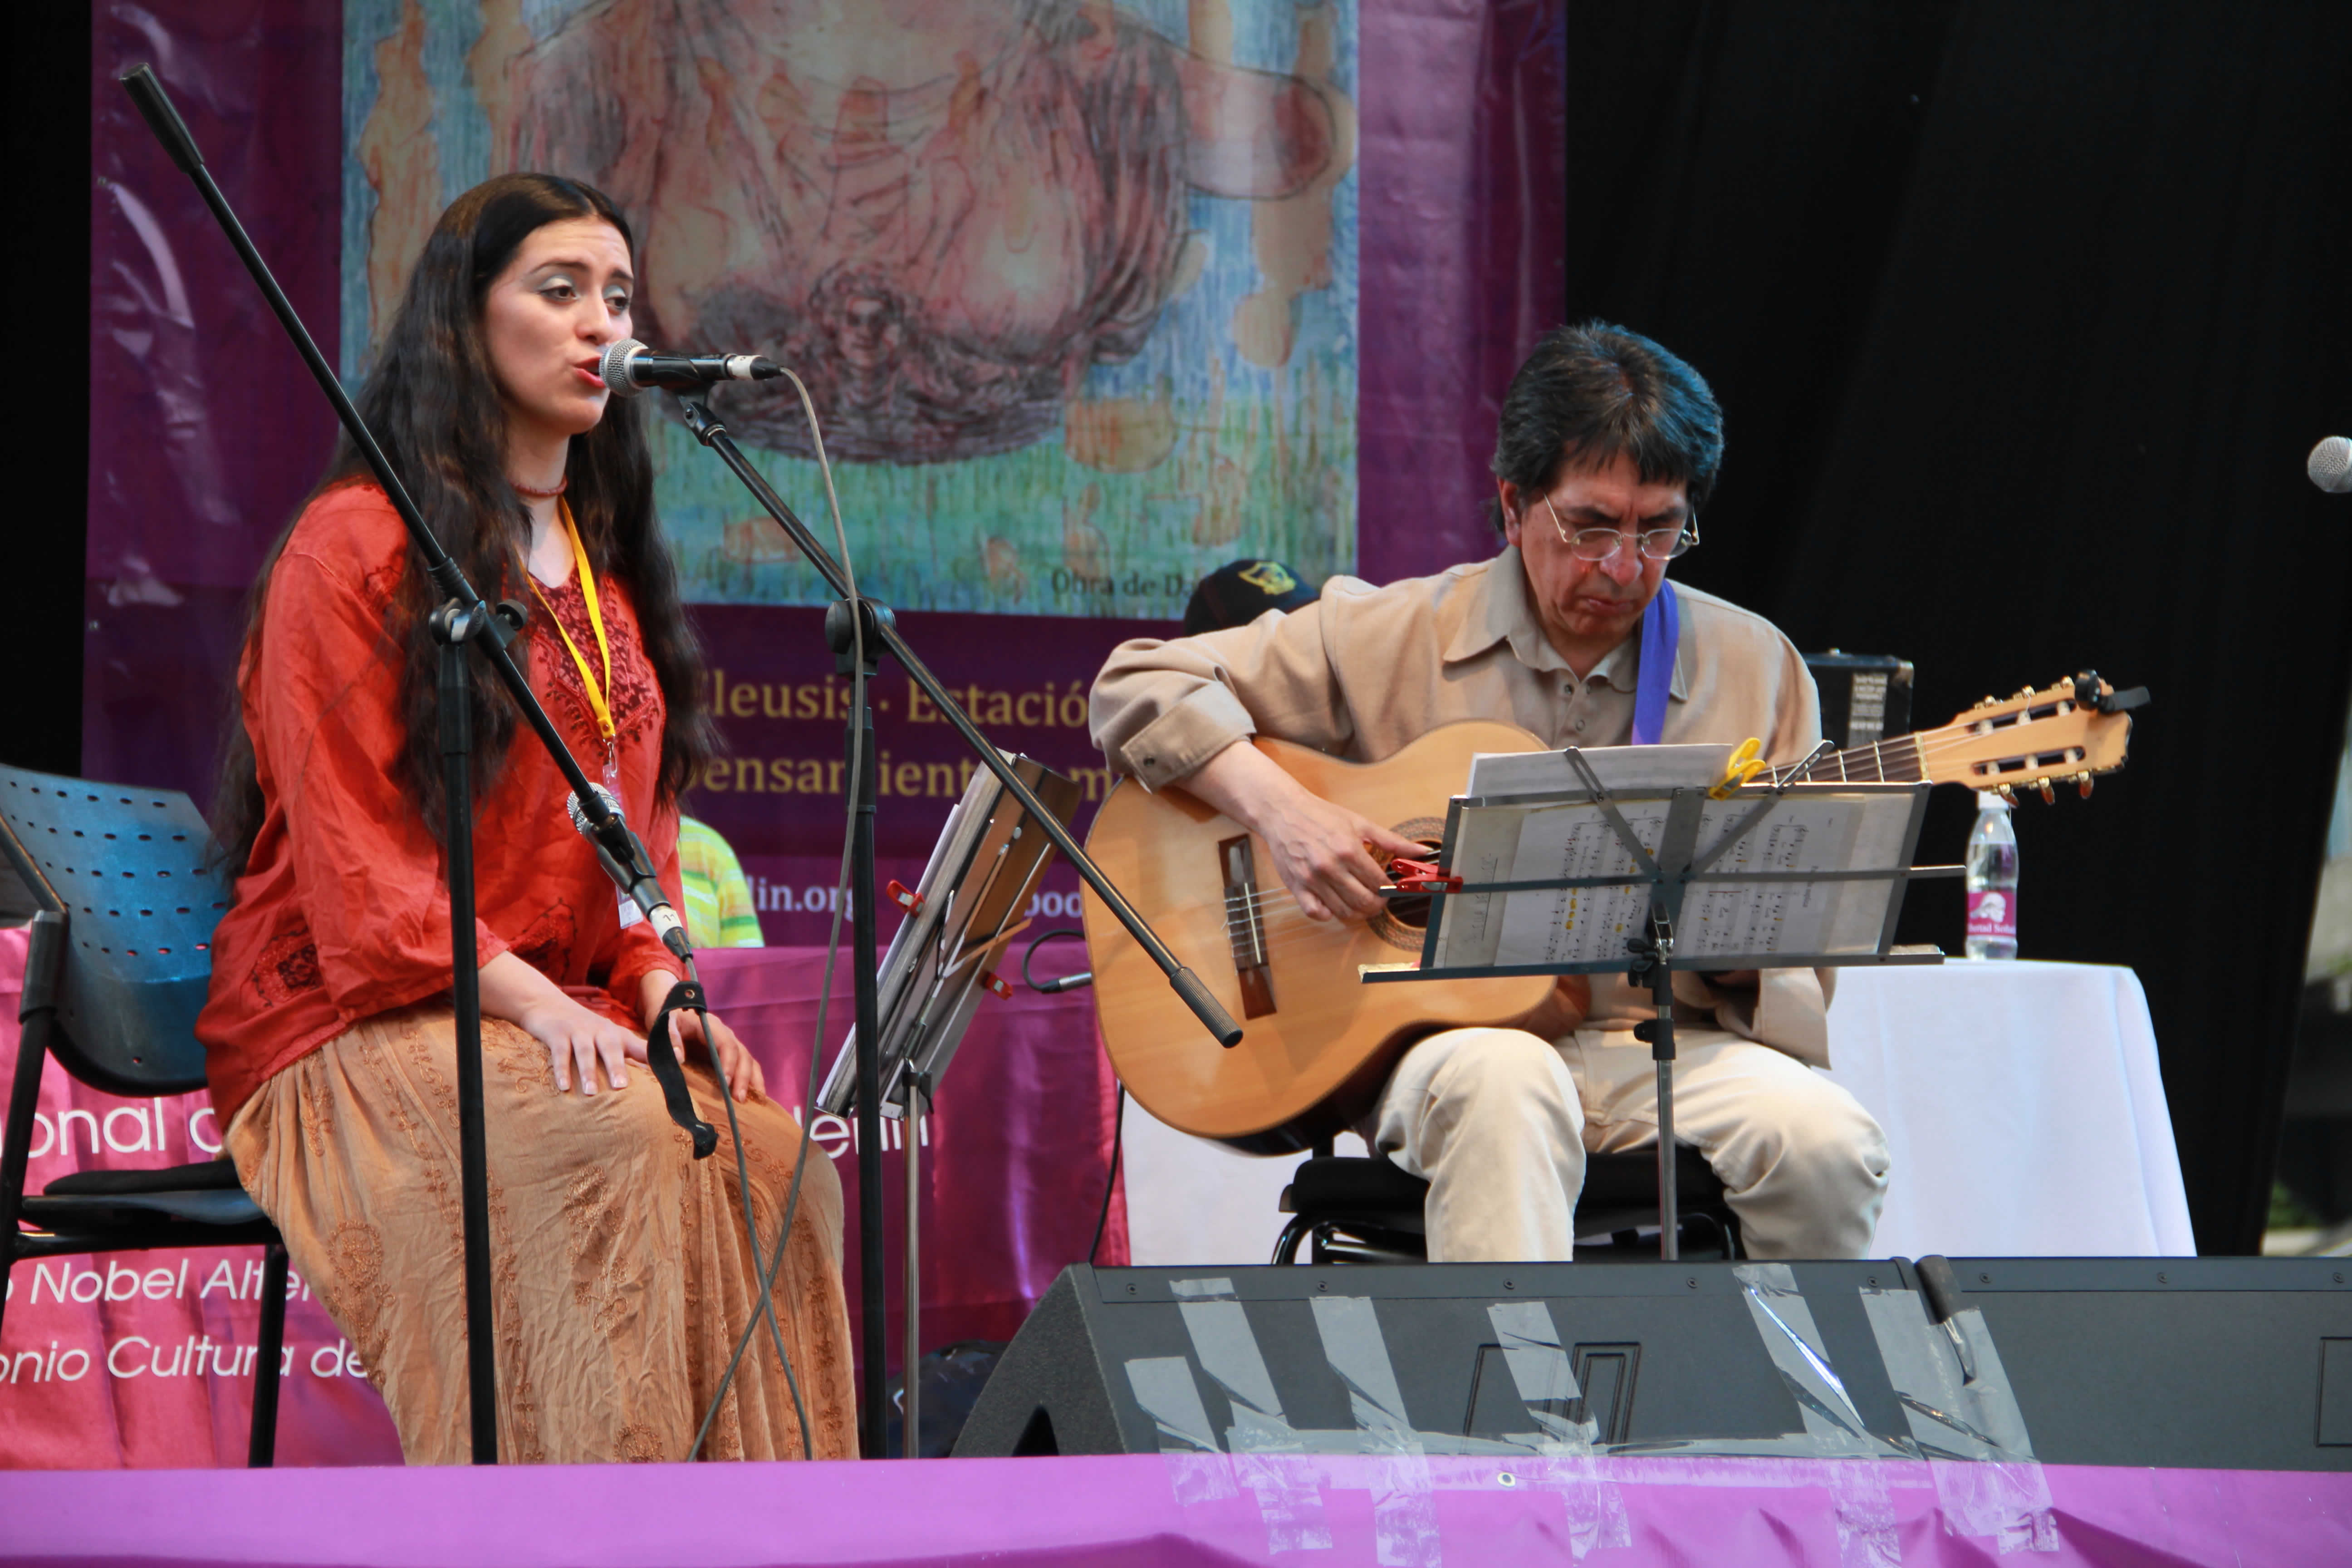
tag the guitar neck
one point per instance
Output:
(1897, 761)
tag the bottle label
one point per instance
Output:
(1994, 912)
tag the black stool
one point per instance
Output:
(1365, 1210)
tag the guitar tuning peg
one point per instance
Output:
(2022, 691)
(2048, 795)
(2006, 793)
(1989, 701)
(2082, 783)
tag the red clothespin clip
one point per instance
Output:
(996, 982)
(903, 896)
(1421, 876)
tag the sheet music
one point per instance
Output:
(1799, 835)
(1618, 768)
(1822, 830)
(988, 858)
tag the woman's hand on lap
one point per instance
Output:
(577, 1038)
(736, 1062)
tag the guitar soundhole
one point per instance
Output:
(1405, 922)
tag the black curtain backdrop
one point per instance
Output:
(43, 534)
(2023, 318)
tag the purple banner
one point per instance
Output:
(207, 433)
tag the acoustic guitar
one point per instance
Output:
(1317, 1042)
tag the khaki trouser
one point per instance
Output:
(1499, 1121)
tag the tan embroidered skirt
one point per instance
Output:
(621, 1271)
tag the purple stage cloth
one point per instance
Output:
(1169, 1510)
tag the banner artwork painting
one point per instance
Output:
(1073, 286)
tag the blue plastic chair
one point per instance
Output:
(117, 969)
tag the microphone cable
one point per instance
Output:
(767, 1275)
(1119, 1106)
(1110, 1177)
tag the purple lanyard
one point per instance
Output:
(1661, 636)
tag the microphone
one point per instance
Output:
(2330, 466)
(632, 870)
(629, 367)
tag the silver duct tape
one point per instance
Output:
(1963, 1417)
(1289, 1496)
(1868, 1532)
(1289, 1493)
(1833, 1428)
(1404, 1515)
(1228, 1352)
(1542, 1374)
(1356, 1351)
(1164, 1385)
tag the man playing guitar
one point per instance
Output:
(1607, 446)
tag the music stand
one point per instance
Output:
(1562, 881)
(960, 917)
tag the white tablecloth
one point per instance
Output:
(2022, 1103)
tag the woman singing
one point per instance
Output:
(621, 1271)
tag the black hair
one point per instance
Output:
(434, 405)
(1592, 392)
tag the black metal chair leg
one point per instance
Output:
(1286, 1247)
(261, 1448)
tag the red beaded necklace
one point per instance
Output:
(535, 493)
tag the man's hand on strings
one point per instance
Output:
(1323, 852)
(735, 1059)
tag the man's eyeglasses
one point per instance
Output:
(1598, 545)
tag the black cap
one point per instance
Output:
(1239, 592)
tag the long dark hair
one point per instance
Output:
(434, 407)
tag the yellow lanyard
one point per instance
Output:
(599, 698)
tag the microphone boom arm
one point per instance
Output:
(1213, 1015)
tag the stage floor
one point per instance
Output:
(1293, 1510)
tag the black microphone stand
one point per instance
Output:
(844, 633)
(463, 621)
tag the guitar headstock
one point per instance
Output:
(2067, 732)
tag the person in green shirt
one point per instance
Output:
(719, 908)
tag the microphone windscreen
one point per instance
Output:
(614, 367)
(2330, 465)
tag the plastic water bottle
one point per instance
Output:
(1992, 881)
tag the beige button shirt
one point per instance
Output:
(1364, 670)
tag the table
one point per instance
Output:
(2022, 1104)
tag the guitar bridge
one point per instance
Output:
(1245, 925)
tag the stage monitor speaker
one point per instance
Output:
(2193, 1362)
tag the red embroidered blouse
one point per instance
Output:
(342, 912)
